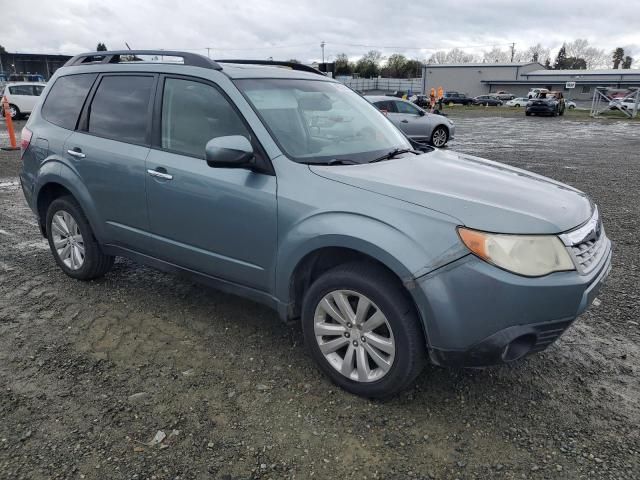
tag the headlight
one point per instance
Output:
(529, 255)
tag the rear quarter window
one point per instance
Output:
(65, 99)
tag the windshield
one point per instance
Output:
(317, 121)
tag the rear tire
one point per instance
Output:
(528, 114)
(384, 301)
(14, 112)
(73, 245)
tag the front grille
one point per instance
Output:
(588, 253)
(587, 244)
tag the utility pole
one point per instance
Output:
(209, 52)
(513, 51)
(322, 44)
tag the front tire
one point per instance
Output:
(439, 137)
(73, 245)
(363, 331)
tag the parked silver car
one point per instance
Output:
(415, 122)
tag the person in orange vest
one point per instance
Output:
(432, 98)
(440, 98)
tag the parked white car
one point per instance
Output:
(626, 104)
(533, 93)
(517, 102)
(570, 104)
(22, 97)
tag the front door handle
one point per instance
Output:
(76, 152)
(159, 174)
(404, 121)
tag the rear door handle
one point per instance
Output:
(158, 174)
(76, 152)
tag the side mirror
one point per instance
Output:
(421, 113)
(233, 151)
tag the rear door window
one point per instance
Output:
(386, 106)
(120, 109)
(65, 99)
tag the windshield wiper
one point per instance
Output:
(393, 153)
(335, 161)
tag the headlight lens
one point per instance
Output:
(529, 255)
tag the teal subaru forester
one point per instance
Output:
(272, 181)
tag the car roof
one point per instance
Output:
(12, 84)
(147, 60)
(378, 98)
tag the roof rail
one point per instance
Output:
(292, 65)
(92, 58)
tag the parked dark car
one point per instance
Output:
(488, 100)
(423, 101)
(455, 97)
(546, 103)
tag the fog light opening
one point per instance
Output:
(518, 347)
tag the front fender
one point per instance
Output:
(403, 254)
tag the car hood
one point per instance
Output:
(478, 193)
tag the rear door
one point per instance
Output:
(217, 221)
(108, 152)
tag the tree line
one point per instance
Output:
(577, 55)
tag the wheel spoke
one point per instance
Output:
(330, 310)
(333, 345)
(381, 343)
(75, 255)
(384, 365)
(329, 329)
(363, 364)
(362, 309)
(66, 251)
(58, 221)
(343, 304)
(347, 362)
(80, 247)
(374, 322)
(59, 243)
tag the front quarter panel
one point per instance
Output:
(315, 212)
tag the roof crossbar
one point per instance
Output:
(93, 58)
(292, 65)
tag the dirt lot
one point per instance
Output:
(90, 372)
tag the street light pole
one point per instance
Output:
(322, 44)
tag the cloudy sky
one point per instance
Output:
(294, 28)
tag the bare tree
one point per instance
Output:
(626, 63)
(535, 53)
(594, 57)
(438, 57)
(495, 55)
(455, 55)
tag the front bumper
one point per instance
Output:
(476, 314)
(540, 109)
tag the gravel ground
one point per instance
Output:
(90, 372)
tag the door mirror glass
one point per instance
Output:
(232, 151)
(421, 113)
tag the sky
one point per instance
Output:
(286, 29)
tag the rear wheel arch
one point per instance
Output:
(46, 195)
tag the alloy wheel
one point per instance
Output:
(439, 137)
(67, 240)
(354, 335)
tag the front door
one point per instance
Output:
(217, 221)
(409, 117)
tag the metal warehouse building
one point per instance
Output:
(517, 78)
(43, 64)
